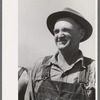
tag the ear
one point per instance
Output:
(82, 33)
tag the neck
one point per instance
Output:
(70, 56)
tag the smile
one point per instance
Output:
(63, 40)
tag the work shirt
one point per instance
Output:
(61, 71)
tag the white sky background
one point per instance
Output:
(35, 40)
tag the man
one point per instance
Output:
(67, 75)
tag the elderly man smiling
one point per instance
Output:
(67, 75)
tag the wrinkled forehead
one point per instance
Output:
(71, 21)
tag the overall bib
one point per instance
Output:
(54, 90)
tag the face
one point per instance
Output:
(67, 33)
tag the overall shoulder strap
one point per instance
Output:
(46, 70)
(85, 72)
(46, 59)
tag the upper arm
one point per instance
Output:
(91, 81)
(92, 75)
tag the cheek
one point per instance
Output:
(76, 39)
(55, 38)
(68, 34)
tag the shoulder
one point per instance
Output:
(90, 64)
(91, 72)
(38, 65)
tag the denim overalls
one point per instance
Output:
(54, 90)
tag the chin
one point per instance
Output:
(62, 47)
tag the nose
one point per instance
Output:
(61, 34)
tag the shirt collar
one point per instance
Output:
(53, 59)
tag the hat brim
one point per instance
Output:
(51, 20)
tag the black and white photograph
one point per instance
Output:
(57, 50)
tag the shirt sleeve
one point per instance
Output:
(91, 82)
(92, 76)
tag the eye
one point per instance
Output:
(66, 30)
(56, 31)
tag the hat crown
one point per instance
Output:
(73, 12)
(68, 12)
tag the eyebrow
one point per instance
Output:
(69, 29)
